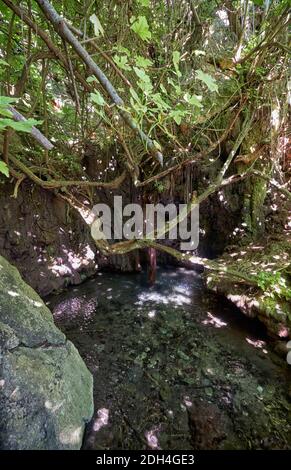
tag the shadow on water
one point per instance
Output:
(174, 366)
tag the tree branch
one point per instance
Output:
(54, 184)
(64, 31)
(36, 134)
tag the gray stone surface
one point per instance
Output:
(46, 391)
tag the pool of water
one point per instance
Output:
(174, 366)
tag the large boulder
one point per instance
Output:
(46, 391)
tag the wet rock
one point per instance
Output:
(208, 425)
(46, 391)
(280, 347)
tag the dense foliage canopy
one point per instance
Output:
(149, 87)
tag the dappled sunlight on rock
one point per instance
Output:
(71, 436)
(13, 293)
(101, 420)
(257, 343)
(152, 438)
(214, 321)
(53, 407)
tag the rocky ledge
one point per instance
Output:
(256, 278)
(46, 391)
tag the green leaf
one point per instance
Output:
(91, 79)
(159, 102)
(144, 3)
(4, 63)
(163, 89)
(176, 60)
(144, 83)
(121, 62)
(4, 169)
(122, 50)
(6, 100)
(142, 75)
(24, 126)
(176, 87)
(209, 81)
(194, 100)
(5, 112)
(134, 95)
(97, 25)
(4, 123)
(141, 28)
(138, 107)
(21, 126)
(143, 62)
(176, 57)
(97, 98)
(177, 115)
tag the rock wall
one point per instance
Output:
(48, 241)
(267, 261)
(46, 391)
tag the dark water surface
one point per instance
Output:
(174, 366)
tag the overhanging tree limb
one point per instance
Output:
(64, 31)
(54, 184)
(46, 38)
(198, 156)
(36, 134)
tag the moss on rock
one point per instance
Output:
(46, 391)
(268, 298)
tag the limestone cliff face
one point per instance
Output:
(46, 391)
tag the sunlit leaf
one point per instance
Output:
(142, 75)
(4, 63)
(98, 29)
(122, 50)
(121, 62)
(144, 3)
(177, 115)
(143, 62)
(5, 112)
(194, 100)
(24, 126)
(97, 98)
(91, 79)
(158, 100)
(209, 81)
(141, 28)
(6, 100)
(4, 169)
(176, 60)
(134, 94)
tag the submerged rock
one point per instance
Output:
(45, 388)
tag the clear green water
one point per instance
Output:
(174, 366)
